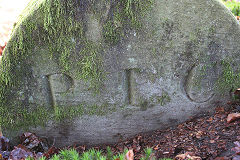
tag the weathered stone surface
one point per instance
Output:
(181, 62)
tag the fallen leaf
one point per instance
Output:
(221, 158)
(156, 147)
(129, 155)
(210, 119)
(199, 134)
(236, 157)
(2, 48)
(212, 141)
(187, 155)
(20, 152)
(232, 117)
(5, 154)
(51, 151)
(30, 140)
(220, 109)
(237, 148)
(4, 143)
(1, 134)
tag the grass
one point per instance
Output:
(234, 6)
(93, 154)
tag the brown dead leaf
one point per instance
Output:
(210, 119)
(220, 109)
(212, 141)
(20, 152)
(4, 143)
(1, 132)
(2, 48)
(199, 134)
(236, 148)
(129, 155)
(221, 158)
(232, 117)
(187, 155)
(51, 151)
(156, 147)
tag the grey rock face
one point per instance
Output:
(155, 77)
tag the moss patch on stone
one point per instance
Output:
(124, 14)
(162, 100)
(229, 80)
(22, 118)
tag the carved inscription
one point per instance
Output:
(47, 91)
(199, 83)
(57, 84)
(131, 87)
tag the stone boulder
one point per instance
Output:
(96, 71)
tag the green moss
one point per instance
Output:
(90, 65)
(112, 33)
(65, 31)
(162, 100)
(229, 80)
(202, 74)
(16, 118)
(143, 104)
(69, 112)
(228, 77)
(124, 14)
(12, 70)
